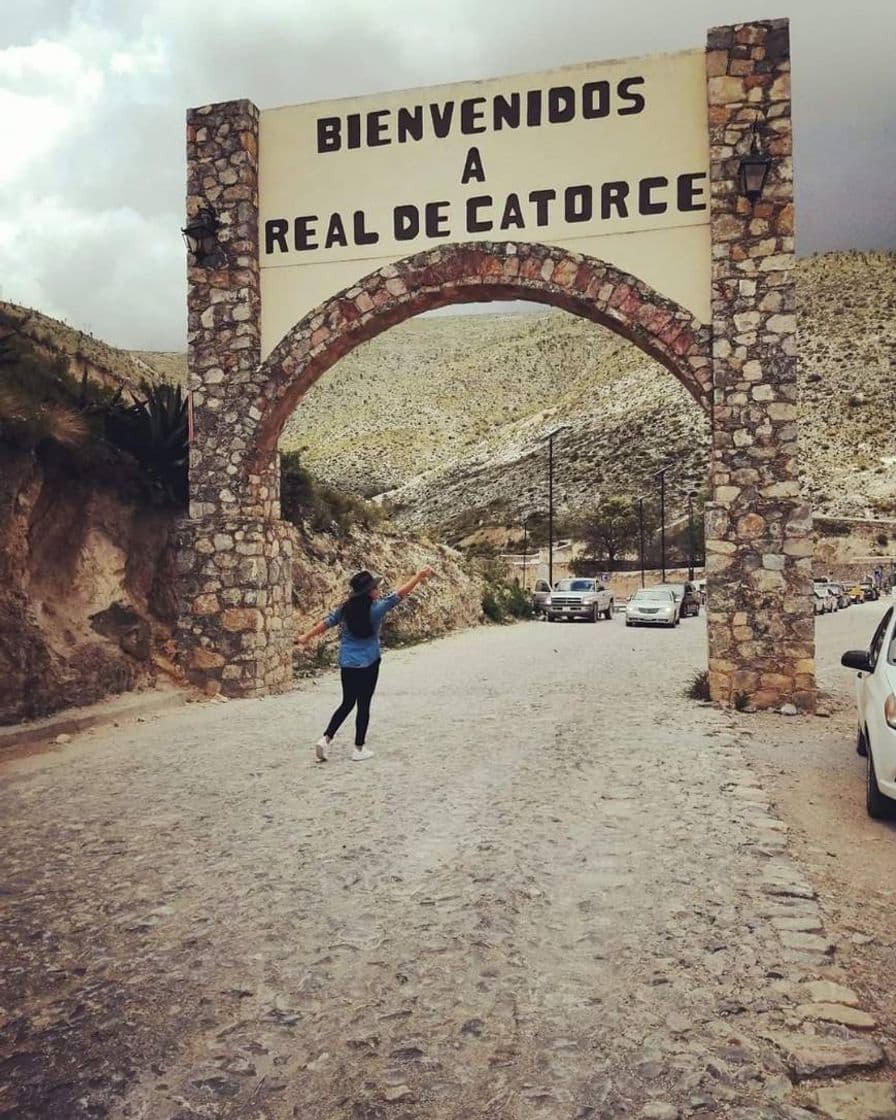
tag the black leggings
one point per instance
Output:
(358, 687)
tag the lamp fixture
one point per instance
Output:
(201, 234)
(753, 170)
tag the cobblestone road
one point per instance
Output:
(557, 891)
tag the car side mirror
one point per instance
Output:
(857, 659)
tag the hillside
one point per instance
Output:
(48, 339)
(449, 414)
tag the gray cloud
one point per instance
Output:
(89, 220)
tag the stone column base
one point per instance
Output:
(234, 629)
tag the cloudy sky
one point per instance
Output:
(93, 94)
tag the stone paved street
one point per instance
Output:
(557, 891)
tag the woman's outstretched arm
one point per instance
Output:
(414, 582)
(314, 632)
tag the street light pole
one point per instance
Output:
(661, 474)
(641, 535)
(691, 534)
(525, 549)
(555, 432)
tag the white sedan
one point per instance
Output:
(652, 606)
(876, 710)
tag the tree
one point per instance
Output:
(611, 529)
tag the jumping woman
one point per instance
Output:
(359, 619)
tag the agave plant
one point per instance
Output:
(154, 430)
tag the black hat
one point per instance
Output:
(363, 583)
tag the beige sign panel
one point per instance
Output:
(609, 159)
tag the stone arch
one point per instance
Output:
(477, 272)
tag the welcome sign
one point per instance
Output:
(608, 159)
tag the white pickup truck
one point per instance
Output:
(579, 598)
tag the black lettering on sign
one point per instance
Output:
(595, 100)
(410, 124)
(475, 224)
(689, 192)
(353, 128)
(533, 108)
(335, 233)
(613, 194)
(471, 115)
(578, 204)
(636, 100)
(275, 231)
(506, 111)
(304, 232)
(512, 218)
(561, 104)
(376, 129)
(362, 236)
(406, 222)
(646, 203)
(436, 220)
(542, 210)
(441, 118)
(473, 168)
(328, 134)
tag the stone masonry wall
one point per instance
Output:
(758, 531)
(235, 628)
(234, 555)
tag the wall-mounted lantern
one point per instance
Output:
(201, 235)
(753, 170)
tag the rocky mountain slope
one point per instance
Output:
(449, 414)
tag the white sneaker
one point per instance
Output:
(360, 753)
(320, 748)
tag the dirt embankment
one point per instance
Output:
(87, 587)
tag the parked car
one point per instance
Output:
(876, 715)
(823, 599)
(652, 606)
(841, 595)
(856, 594)
(686, 596)
(540, 596)
(870, 591)
(579, 598)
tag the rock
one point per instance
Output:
(820, 1056)
(398, 1092)
(805, 942)
(659, 1110)
(836, 1013)
(859, 1100)
(789, 710)
(861, 939)
(826, 991)
(61, 739)
(800, 925)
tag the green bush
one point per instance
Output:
(304, 498)
(491, 605)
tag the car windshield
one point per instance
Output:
(677, 589)
(575, 585)
(653, 593)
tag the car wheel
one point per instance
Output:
(608, 613)
(861, 746)
(628, 622)
(595, 614)
(879, 807)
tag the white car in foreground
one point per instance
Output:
(876, 710)
(652, 606)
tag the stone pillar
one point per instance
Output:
(235, 555)
(758, 530)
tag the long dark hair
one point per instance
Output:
(356, 616)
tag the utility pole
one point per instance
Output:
(691, 549)
(661, 475)
(525, 549)
(641, 535)
(550, 438)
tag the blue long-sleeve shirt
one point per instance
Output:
(355, 652)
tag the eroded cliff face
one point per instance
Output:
(86, 587)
